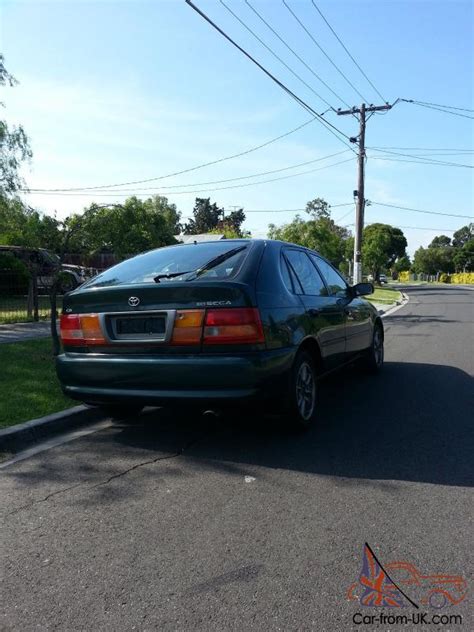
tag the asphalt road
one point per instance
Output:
(180, 523)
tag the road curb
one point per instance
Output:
(24, 435)
(394, 309)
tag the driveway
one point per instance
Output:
(176, 522)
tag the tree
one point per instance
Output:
(14, 145)
(206, 217)
(441, 241)
(24, 226)
(463, 235)
(320, 233)
(318, 208)
(382, 245)
(125, 229)
(433, 260)
(403, 264)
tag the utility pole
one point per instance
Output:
(359, 194)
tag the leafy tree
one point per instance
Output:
(403, 264)
(318, 208)
(463, 235)
(24, 226)
(14, 146)
(382, 245)
(463, 258)
(319, 233)
(441, 241)
(433, 260)
(125, 229)
(206, 217)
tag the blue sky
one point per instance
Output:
(113, 92)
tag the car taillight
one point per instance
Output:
(81, 330)
(239, 325)
(187, 328)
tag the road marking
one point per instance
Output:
(249, 479)
(56, 441)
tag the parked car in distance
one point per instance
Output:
(216, 324)
(46, 264)
(383, 278)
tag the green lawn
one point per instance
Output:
(13, 309)
(28, 384)
(384, 295)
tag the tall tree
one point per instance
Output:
(206, 217)
(463, 235)
(14, 145)
(319, 233)
(441, 241)
(382, 245)
(125, 229)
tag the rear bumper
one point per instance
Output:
(100, 378)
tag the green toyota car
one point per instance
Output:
(216, 324)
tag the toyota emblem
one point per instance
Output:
(133, 301)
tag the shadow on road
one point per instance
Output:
(411, 423)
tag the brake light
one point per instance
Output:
(240, 325)
(81, 330)
(187, 328)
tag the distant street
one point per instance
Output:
(181, 523)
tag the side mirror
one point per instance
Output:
(362, 289)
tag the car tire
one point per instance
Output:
(374, 358)
(302, 409)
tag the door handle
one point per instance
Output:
(349, 313)
(314, 312)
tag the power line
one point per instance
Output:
(449, 107)
(253, 175)
(322, 50)
(294, 52)
(278, 57)
(426, 161)
(345, 215)
(432, 107)
(417, 210)
(235, 186)
(423, 160)
(300, 101)
(425, 149)
(178, 173)
(345, 48)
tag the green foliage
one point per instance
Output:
(382, 245)
(124, 229)
(447, 256)
(14, 146)
(441, 241)
(463, 235)
(206, 217)
(403, 264)
(23, 226)
(318, 209)
(318, 234)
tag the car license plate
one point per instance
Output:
(140, 326)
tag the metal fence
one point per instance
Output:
(23, 299)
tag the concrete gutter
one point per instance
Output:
(387, 311)
(31, 432)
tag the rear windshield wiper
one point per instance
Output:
(216, 261)
(170, 275)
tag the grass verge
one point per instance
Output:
(29, 386)
(385, 296)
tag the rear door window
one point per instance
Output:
(307, 275)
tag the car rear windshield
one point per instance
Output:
(154, 266)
